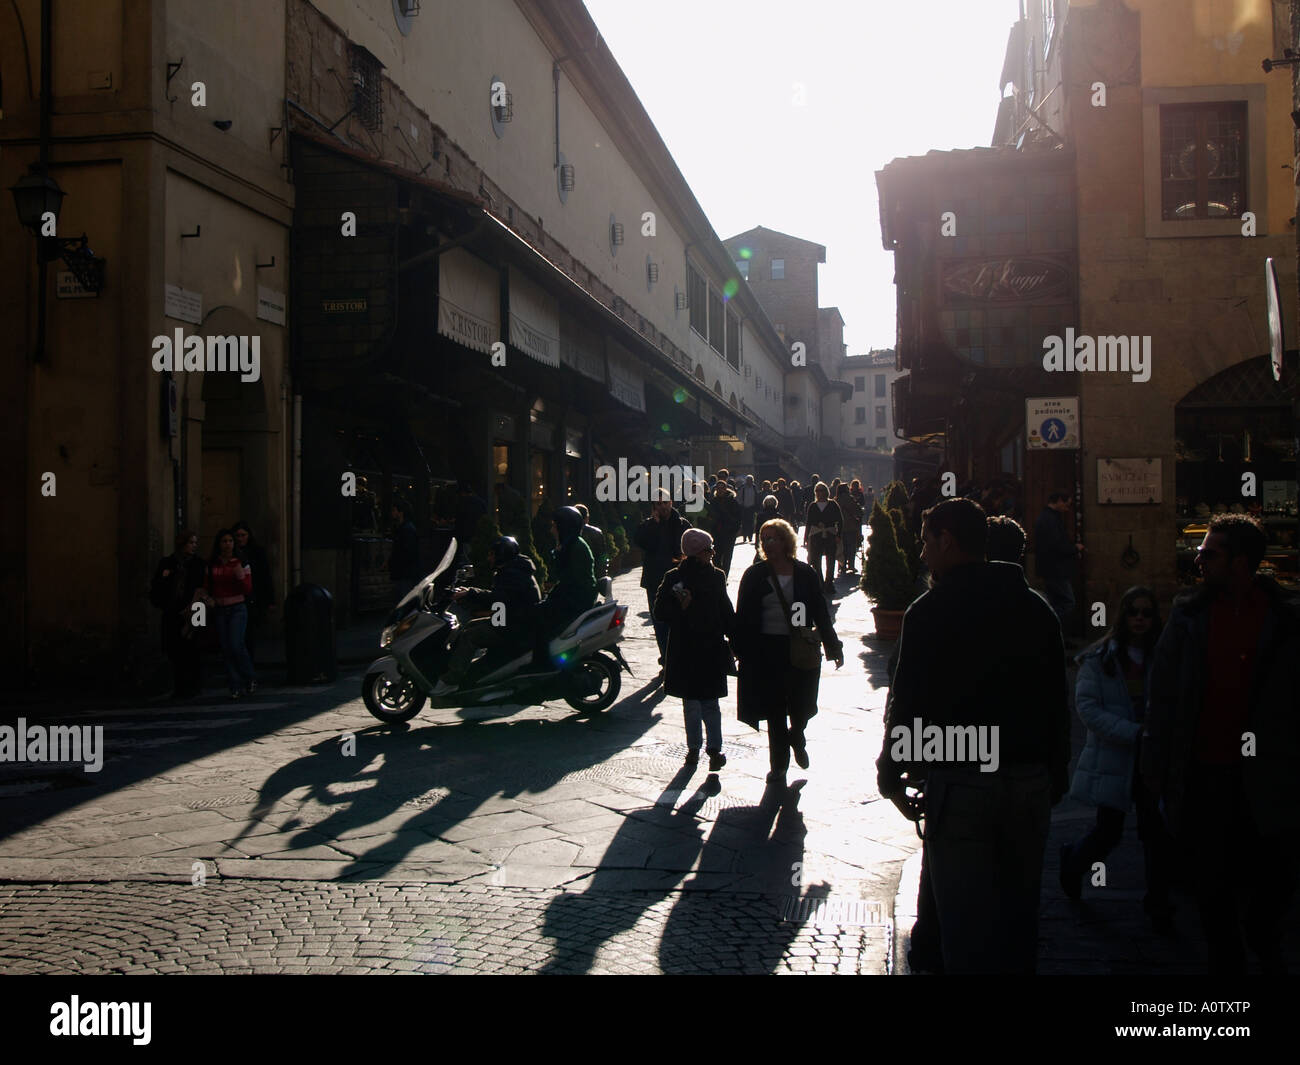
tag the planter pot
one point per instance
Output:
(889, 623)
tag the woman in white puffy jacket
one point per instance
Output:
(1110, 696)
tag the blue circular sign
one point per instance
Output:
(1052, 431)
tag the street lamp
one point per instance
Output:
(38, 197)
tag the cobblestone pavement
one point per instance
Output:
(502, 839)
(241, 926)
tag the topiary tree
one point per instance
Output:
(895, 496)
(906, 542)
(886, 578)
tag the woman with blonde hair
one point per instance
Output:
(782, 625)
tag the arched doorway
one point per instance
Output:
(1235, 450)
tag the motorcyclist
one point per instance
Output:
(575, 588)
(514, 586)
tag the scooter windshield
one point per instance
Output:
(412, 599)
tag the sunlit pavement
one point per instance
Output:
(240, 837)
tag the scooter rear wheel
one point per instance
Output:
(594, 684)
(391, 701)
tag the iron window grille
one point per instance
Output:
(367, 89)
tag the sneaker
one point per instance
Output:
(801, 757)
(692, 756)
(716, 761)
(1070, 876)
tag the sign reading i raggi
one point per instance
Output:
(1052, 423)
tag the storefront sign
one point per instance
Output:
(534, 320)
(357, 304)
(469, 300)
(182, 304)
(626, 379)
(270, 305)
(1005, 280)
(1052, 423)
(1128, 481)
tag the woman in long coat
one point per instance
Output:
(1110, 695)
(771, 689)
(692, 604)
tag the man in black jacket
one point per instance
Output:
(513, 600)
(659, 537)
(1221, 747)
(980, 667)
(1056, 558)
(595, 539)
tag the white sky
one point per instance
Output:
(882, 78)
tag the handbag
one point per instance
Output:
(805, 647)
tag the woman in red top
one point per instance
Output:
(230, 583)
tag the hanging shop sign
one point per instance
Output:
(469, 300)
(67, 287)
(1052, 423)
(534, 320)
(270, 305)
(183, 305)
(1129, 481)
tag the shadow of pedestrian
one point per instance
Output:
(623, 889)
(730, 930)
(412, 785)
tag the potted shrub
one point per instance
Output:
(886, 578)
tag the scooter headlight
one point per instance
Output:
(394, 631)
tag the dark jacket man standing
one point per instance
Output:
(1221, 743)
(595, 538)
(1056, 558)
(659, 537)
(980, 666)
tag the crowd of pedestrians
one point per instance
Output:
(234, 592)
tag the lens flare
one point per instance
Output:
(745, 253)
(729, 288)
(679, 395)
(665, 427)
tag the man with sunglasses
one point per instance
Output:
(1221, 746)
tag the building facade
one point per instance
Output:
(1170, 146)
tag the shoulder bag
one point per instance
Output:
(805, 647)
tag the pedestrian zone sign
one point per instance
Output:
(1052, 423)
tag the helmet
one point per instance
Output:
(569, 521)
(504, 549)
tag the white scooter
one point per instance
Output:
(421, 631)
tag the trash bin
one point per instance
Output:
(309, 635)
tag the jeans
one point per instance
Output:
(1157, 847)
(1060, 595)
(708, 713)
(819, 550)
(985, 834)
(231, 624)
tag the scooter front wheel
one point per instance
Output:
(594, 684)
(389, 700)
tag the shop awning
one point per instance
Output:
(534, 320)
(469, 300)
(626, 378)
(581, 349)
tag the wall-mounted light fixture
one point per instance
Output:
(615, 235)
(651, 273)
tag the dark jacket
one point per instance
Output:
(515, 585)
(756, 671)
(174, 593)
(404, 562)
(697, 656)
(595, 539)
(660, 543)
(263, 597)
(785, 504)
(832, 515)
(982, 648)
(764, 516)
(1055, 556)
(726, 517)
(575, 589)
(1177, 693)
